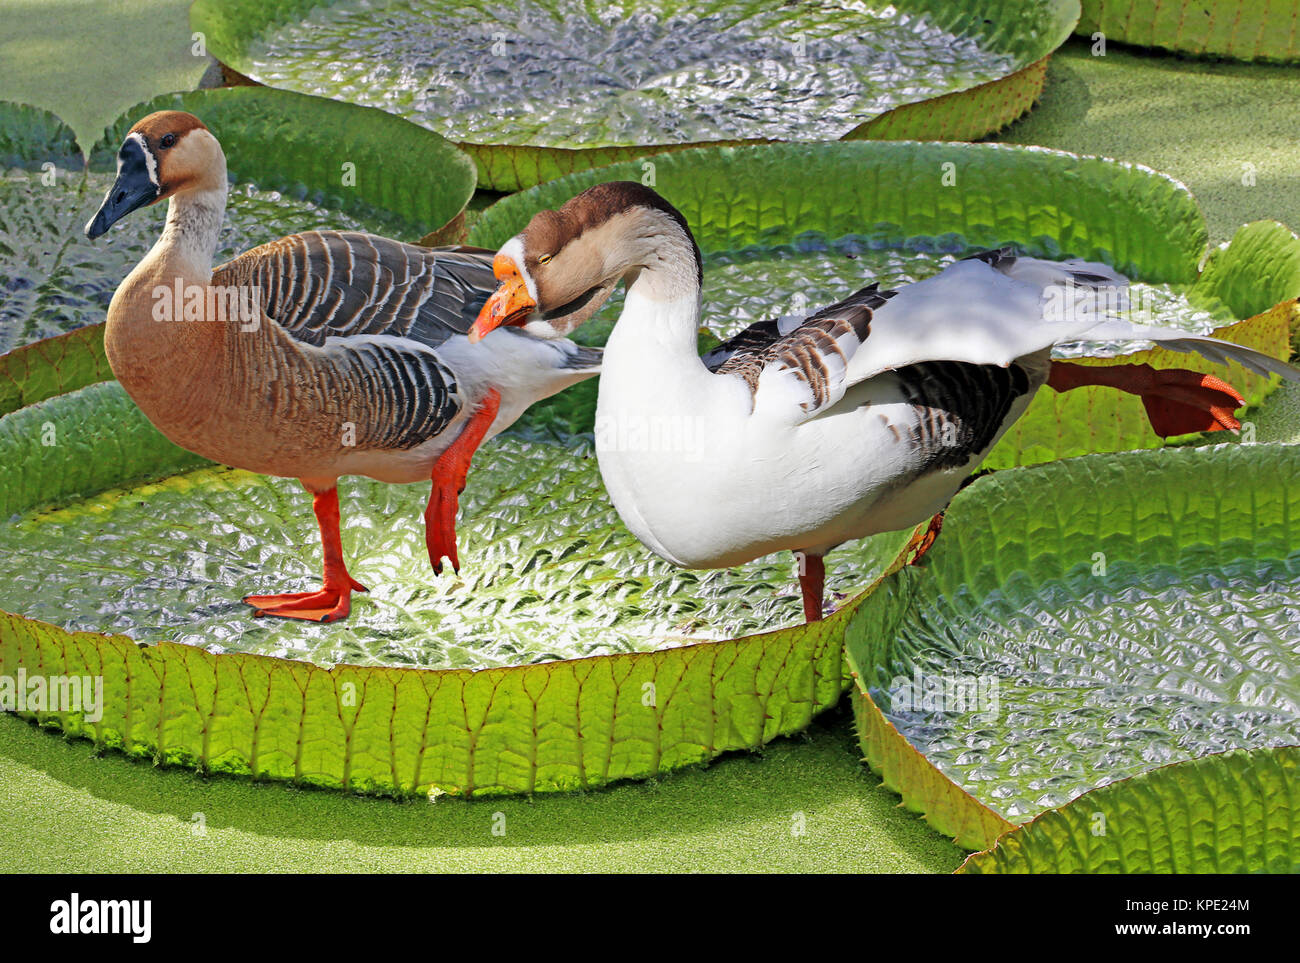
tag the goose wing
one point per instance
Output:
(368, 316)
(995, 307)
(989, 309)
(800, 363)
(342, 284)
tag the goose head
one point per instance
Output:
(559, 269)
(169, 153)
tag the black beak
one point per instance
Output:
(133, 189)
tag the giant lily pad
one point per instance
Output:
(1088, 620)
(31, 138)
(1113, 673)
(538, 87)
(1122, 612)
(548, 572)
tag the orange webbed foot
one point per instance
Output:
(326, 604)
(333, 600)
(1179, 402)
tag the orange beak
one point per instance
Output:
(510, 304)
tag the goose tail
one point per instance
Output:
(577, 357)
(1213, 349)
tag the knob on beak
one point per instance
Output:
(510, 304)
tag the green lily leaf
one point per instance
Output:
(965, 115)
(54, 451)
(1093, 618)
(1233, 812)
(539, 86)
(1242, 29)
(52, 366)
(1259, 267)
(31, 137)
(923, 197)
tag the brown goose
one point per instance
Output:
(804, 433)
(314, 356)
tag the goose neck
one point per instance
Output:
(661, 313)
(192, 231)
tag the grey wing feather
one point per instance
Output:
(959, 408)
(377, 309)
(814, 350)
(338, 284)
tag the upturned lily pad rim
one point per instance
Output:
(1165, 25)
(186, 706)
(1002, 856)
(1037, 28)
(1068, 186)
(946, 805)
(39, 646)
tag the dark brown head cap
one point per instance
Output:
(163, 122)
(549, 231)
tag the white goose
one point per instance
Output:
(802, 434)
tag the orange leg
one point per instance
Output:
(333, 600)
(1177, 401)
(812, 580)
(449, 481)
(922, 541)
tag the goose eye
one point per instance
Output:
(544, 258)
(167, 141)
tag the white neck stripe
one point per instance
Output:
(150, 162)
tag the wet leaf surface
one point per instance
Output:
(565, 73)
(1098, 617)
